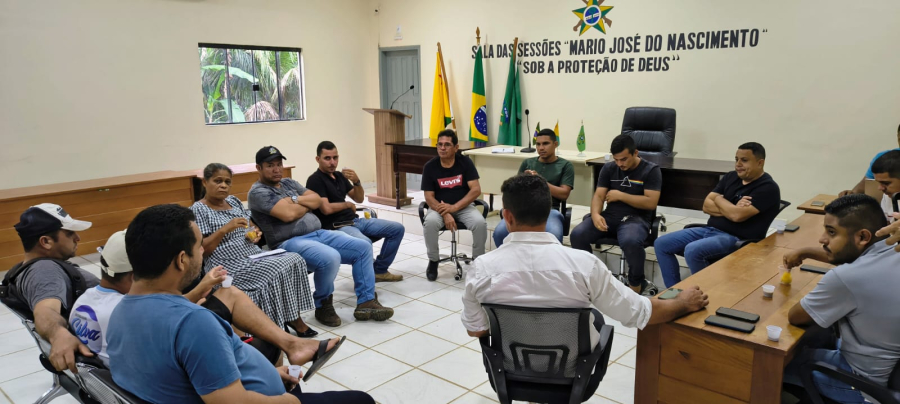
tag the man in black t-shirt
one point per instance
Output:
(742, 206)
(450, 182)
(336, 213)
(630, 188)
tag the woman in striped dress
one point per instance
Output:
(279, 285)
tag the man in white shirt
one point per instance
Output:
(532, 269)
(886, 170)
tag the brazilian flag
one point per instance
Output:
(478, 123)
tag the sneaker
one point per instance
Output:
(649, 289)
(388, 277)
(431, 272)
(326, 314)
(372, 310)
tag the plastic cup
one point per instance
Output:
(294, 370)
(227, 282)
(607, 157)
(774, 332)
(780, 225)
(768, 290)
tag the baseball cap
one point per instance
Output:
(113, 257)
(268, 153)
(46, 218)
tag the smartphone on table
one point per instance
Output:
(730, 324)
(669, 294)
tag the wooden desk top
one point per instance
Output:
(807, 206)
(681, 163)
(61, 188)
(429, 144)
(811, 228)
(570, 155)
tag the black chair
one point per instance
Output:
(63, 381)
(658, 223)
(884, 395)
(567, 217)
(454, 257)
(652, 128)
(741, 243)
(544, 355)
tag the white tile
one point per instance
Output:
(475, 345)
(93, 258)
(346, 271)
(344, 311)
(412, 266)
(449, 328)
(3, 309)
(629, 359)
(415, 348)
(15, 341)
(347, 350)
(319, 383)
(472, 398)
(26, 362)
(416, 314)
(463, 366)
(413, 248)
(10, 323)
(619, 328)
(448, 298)
(621, 344)
(417, 387)
(371, 333)
(413, 237)
(485, 390)
(29, 388)
(343, 288)
(81, 262)
(413, 287)
(3, 399)
(618, 384)
(93, 269)
(365, 370)
(385, 297)
(595, 399)
(412, 224)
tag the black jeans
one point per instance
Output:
(333, 397)
(630, 232)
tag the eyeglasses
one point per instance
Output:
(445, 145)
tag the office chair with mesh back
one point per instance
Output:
(652, 128)
(544, 355)
(882, 394)
(454, 257)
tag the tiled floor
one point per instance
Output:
(422, 355)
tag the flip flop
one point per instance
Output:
(322, 356)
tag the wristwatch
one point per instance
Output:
(357, 183)
(294, 199)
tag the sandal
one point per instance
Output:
(322, 356)
(309, 333)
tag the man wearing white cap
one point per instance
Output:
(45, 283)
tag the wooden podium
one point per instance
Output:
(390, 126)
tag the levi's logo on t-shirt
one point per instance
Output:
(450, 182)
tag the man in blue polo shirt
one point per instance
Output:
(861, 185)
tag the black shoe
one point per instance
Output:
(309, 333)
(431, 272)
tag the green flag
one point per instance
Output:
(478, 122)
(580, 142)
(511, 116)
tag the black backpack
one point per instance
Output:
(11, 297)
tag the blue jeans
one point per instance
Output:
(372, 230)
(700, 247)
(554, 227)
(325, 251)
(828, 387)
(630, 234)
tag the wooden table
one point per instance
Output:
(687, 361)
(108, 203)
(824, 198)
(686, 182)
(243, 177)
(410, 157)
(494, 168)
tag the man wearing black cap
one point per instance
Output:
(45, 285)
(280, 208)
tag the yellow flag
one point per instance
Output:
(556, 130)
(440, 103)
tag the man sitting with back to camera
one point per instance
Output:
(532, 269)
(45, 284)
(165, 349)
(859, 295)
(630, 188)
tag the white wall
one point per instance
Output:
(820, 91)
(97, 88)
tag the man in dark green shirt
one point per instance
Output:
(560, 176)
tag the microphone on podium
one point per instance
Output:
(528, 149)
(411, 87)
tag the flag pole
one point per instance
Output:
(446, 82)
